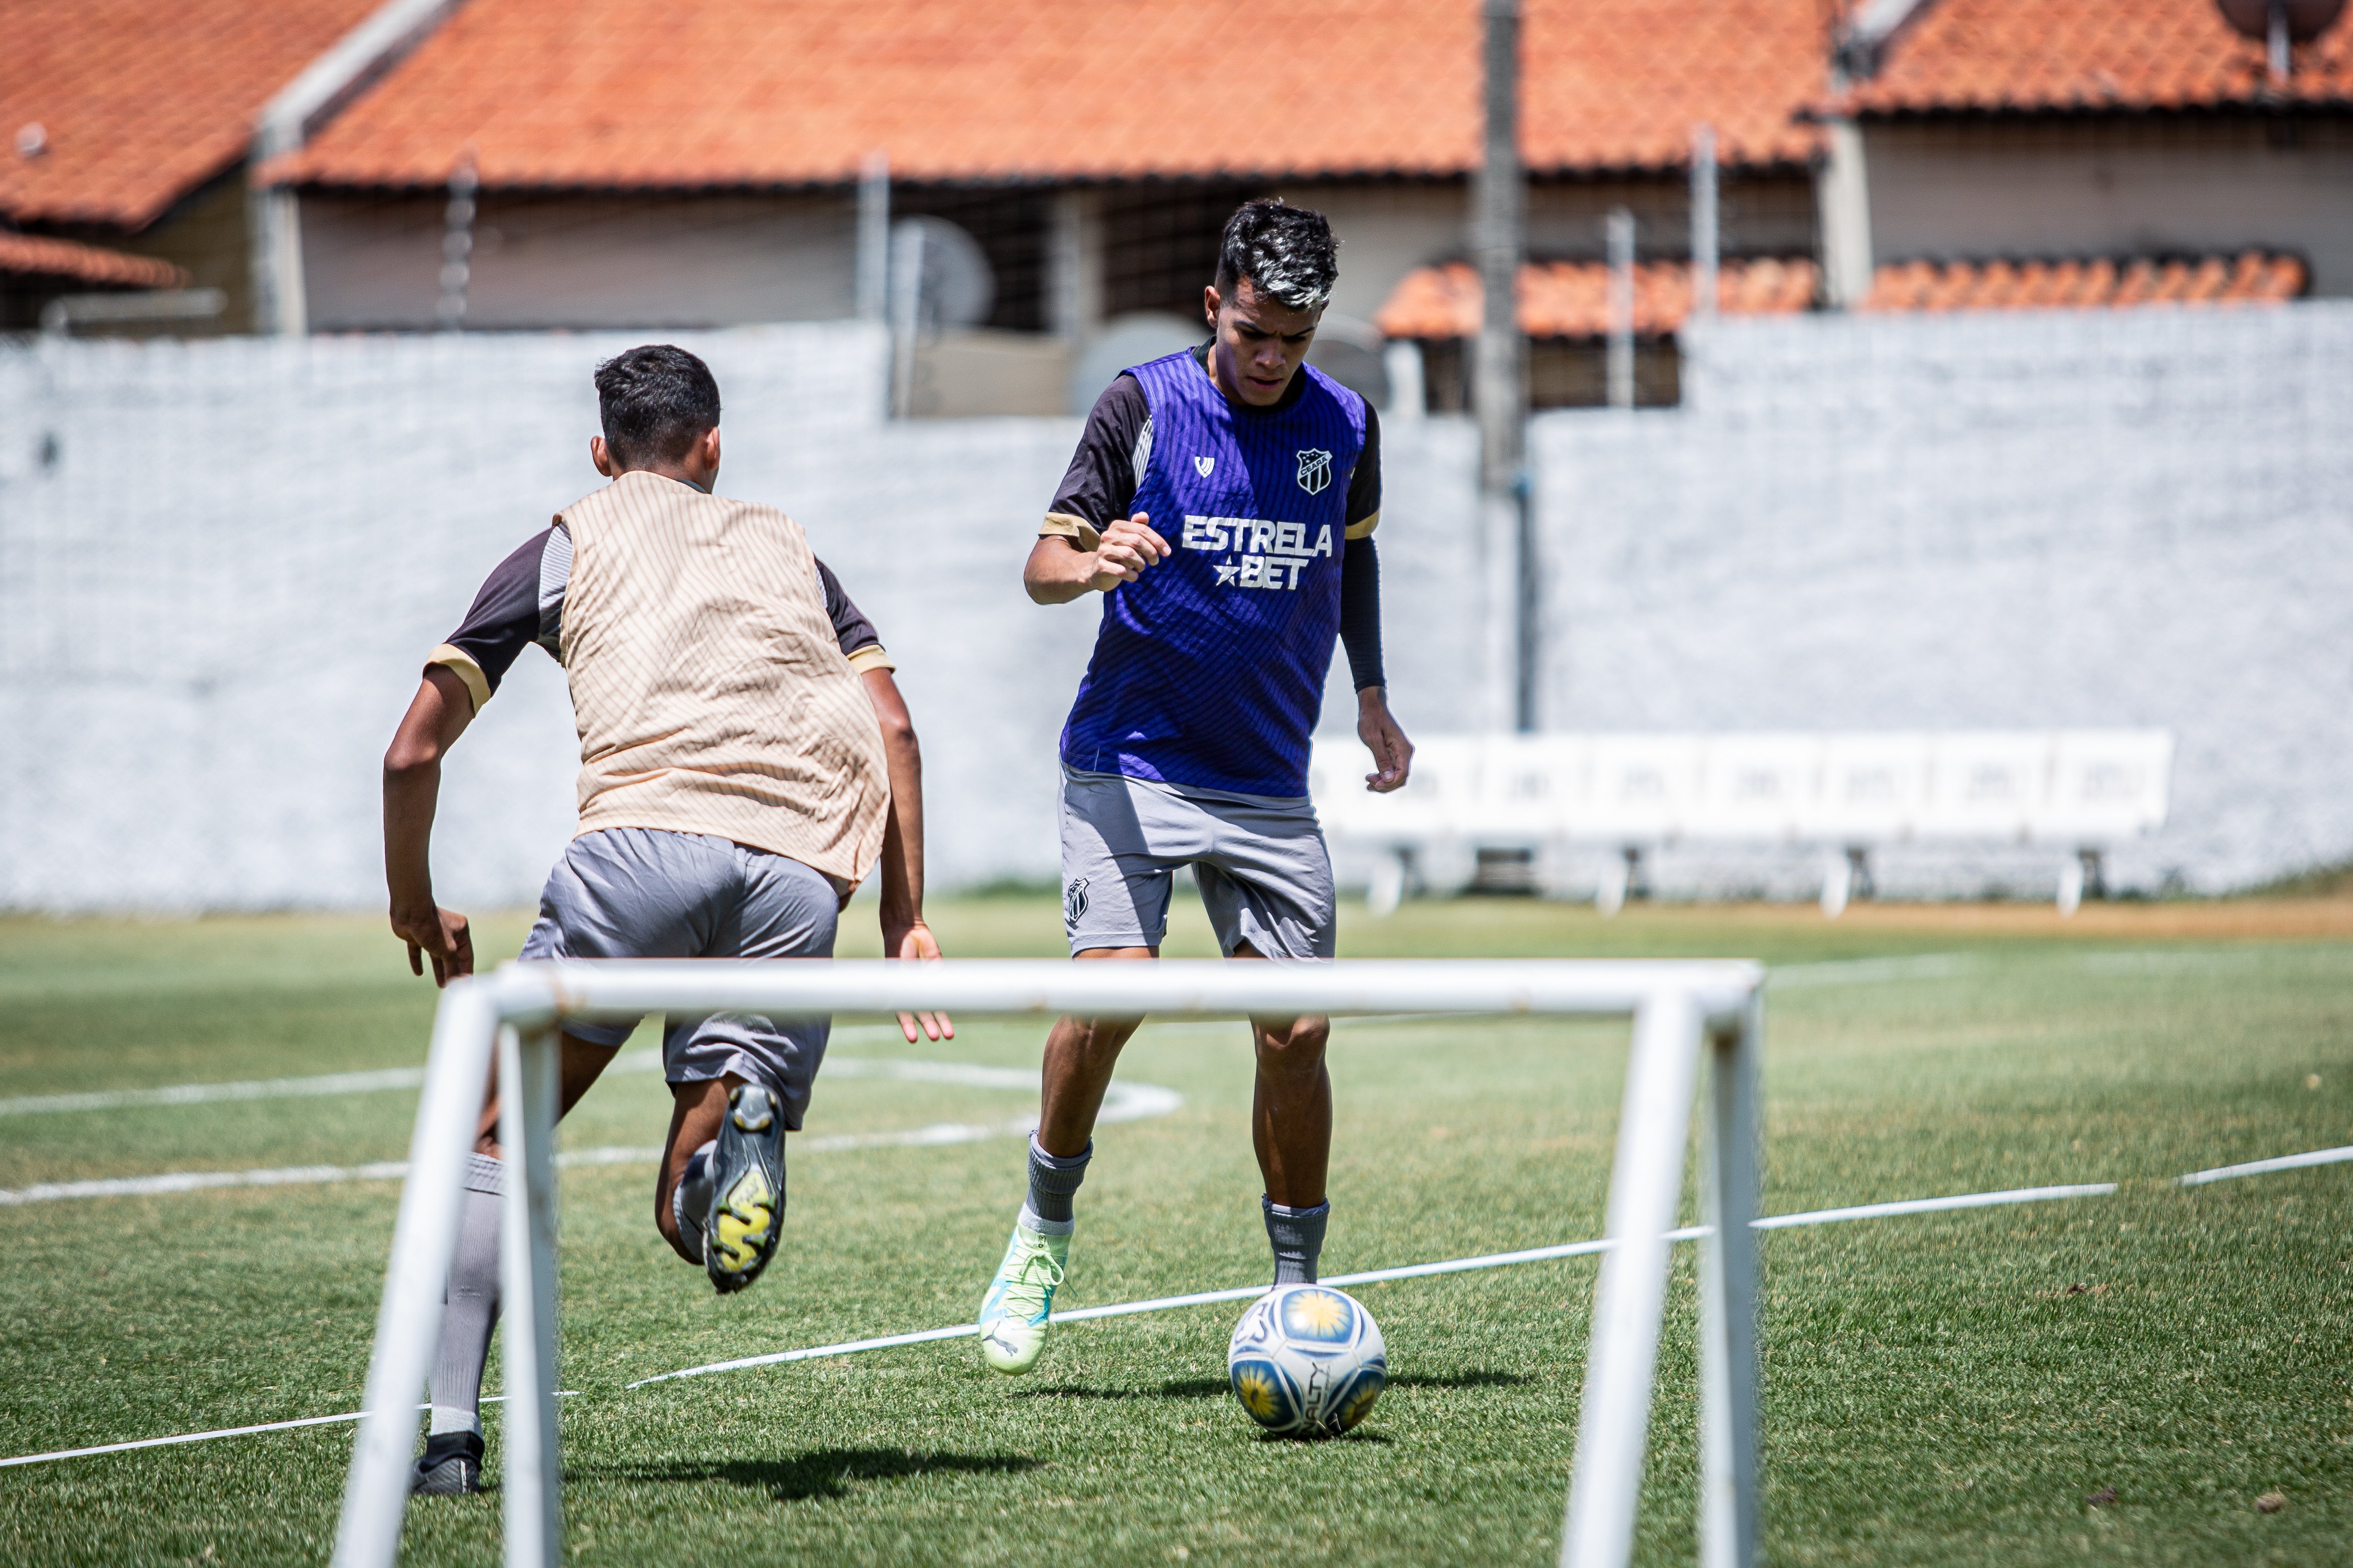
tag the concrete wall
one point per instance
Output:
(1986, 188)
(221, 563)
(1997, 522)
(372, 262)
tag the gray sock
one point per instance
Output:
(689, 1201)
(1297, 1237)
(1053, 1181)
(473, 1301)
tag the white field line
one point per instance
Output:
(648, 1060)
(224, 1432)
(1491, 1261)
(2264, 1167)
(1368, 1276)
(1783, 977)
(1867, 970)
(1128, 1102)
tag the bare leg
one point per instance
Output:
(1290, 1106)
(578, 1065)
(1079, 1055)
(696, 1110)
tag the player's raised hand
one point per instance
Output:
(440, 934)
(1125, 550)
(1392, 752)
(915, 944)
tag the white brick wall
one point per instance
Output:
(2011, 521)
(216, 591)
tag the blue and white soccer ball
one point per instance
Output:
(1307, 1360)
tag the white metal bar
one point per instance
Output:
(423, 1239)
(1672, 1003)
(1720, 988)
(529, 1082)
(1727, 1302)
(1645, 1181)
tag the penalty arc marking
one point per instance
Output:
(1126, 1100)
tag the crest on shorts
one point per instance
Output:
(1314, 471)
(1074, 903)
(1204, 465)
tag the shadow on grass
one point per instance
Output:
(1179, 1388)
(1464, 1380)
(1211, 1387)
(829, 1472)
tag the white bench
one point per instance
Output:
(1552, 798)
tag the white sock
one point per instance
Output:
(1045, 1226)
(689, 1201)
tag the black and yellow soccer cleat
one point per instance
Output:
(747, 1190)
(451, 1465)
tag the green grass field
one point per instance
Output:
(1941, 1389)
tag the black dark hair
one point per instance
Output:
(1285, 251)
(654, 402)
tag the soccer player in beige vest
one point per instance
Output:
(746, 763)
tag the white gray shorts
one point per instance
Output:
(644, 893)
(1264, 875)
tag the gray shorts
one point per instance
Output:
(1264, 875)
(643, 892)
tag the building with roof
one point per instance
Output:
(515, 164)
(2022, 132)
(126, 131)
(707, 173)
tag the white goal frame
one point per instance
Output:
(1681, 1010)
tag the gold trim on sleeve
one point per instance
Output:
(460, 663)
(1363, 527)
(1069, 525)
(871, 656)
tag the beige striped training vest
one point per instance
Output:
(710, 693)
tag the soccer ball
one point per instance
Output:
(1307, 1360)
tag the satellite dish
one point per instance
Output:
(2305, 19)
(954, 286)
(1124, 341)
(1350, 352)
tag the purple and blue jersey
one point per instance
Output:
(1208, 671)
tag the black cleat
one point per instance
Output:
(451, 1465)
(747, 1190)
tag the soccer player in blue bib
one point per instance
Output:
(1223, 502)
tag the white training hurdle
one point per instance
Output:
(1681, 1010)
(1560, 798)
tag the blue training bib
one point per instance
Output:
(1209, 672)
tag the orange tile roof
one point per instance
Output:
(1571, 298)
(2249, 278)
(38, 256)
(139, 103)
(632, 93)
(1618, 84)
(2090, 54)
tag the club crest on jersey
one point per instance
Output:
(1074, 903)
(1314, 471)
(1204, 465)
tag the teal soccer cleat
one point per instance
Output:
(1013, 1315)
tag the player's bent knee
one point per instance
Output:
(1294, 1049)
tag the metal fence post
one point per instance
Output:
(529, 1088)
(423, 1239)
(1645, 1181)
(1728, 1520)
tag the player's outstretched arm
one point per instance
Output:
(412, 789)
(904, 934)
(1377, 728)
(1060, 569)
